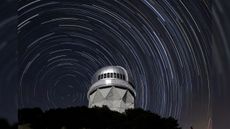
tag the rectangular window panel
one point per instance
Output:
(110, 74)
(124, 77)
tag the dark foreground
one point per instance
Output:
(89, 118)
(93, 118)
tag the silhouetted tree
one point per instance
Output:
(5, 125)
(94, 118)
(34, 116)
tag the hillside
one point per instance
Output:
(93, 118)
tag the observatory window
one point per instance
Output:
(111, 75)
(98, 77)
(102, 76)
(118, 75)
(123, 76)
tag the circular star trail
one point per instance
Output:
(165, 46)
(221, 65)
(8, 61)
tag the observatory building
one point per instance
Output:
(111, 87)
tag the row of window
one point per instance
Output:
(111, 75)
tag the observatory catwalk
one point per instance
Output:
(111, 87)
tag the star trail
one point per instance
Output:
(166, 46)
(163, 45)
(8, 60)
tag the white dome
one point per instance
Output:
(109, 72)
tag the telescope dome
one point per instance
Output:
(111, 87)
(117, 72)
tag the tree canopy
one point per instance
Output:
(5, 125)
(94, 118)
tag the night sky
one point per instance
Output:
(177, 53)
